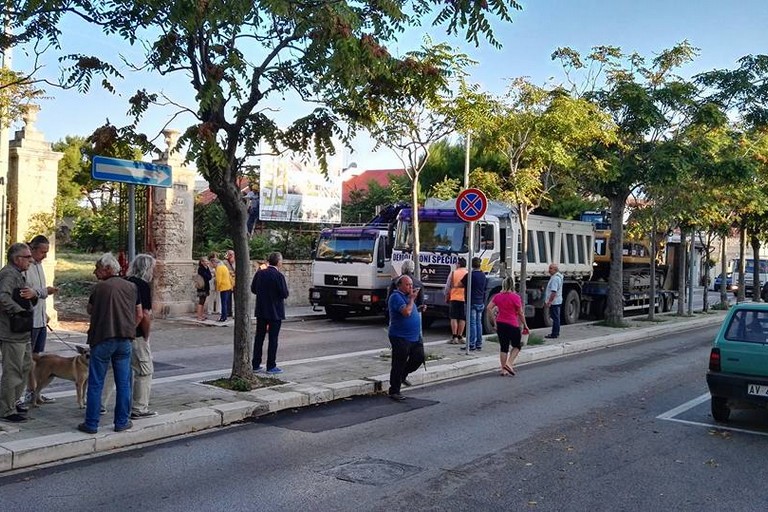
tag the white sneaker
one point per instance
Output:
(46, 399)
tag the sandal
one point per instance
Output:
(510, 370)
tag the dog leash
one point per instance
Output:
(76, 348)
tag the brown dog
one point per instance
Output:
(75, 368)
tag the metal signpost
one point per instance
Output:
(470, 207)
(132, 172)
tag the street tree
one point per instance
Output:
(423, 116)
(539, 131)
(240, 57)
(743, 92)
(647, 103)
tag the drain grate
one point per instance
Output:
(370, 471)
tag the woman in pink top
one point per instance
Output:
(507, 317)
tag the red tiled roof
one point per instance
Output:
(361, 181)
(207, 196)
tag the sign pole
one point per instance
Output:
(131, 222)
(470, 207)
(468, 303)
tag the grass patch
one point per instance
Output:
(535, 339)
(656, 319)
(721, 306)
(238, 384)
(74, 274)
(617, 325)
(428, 356)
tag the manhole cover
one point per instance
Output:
(370, 471)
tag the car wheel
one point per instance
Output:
(720, 410)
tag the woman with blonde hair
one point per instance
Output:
(507, 317)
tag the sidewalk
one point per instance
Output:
(186, 405)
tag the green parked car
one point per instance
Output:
(738, 362)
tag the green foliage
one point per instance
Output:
(238, 56)
(73, 177)
(16, 93)
(211, 235)
(97, 231)
(41, 223)
(362, 204)
(210, 230)
(446, 189)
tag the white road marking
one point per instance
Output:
(670, 416)
(682, 408)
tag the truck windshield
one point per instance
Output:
(436, 236)
(334, 248)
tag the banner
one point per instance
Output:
(294, 189)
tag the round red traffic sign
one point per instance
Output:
(471, 204)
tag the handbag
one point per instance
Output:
(21, 321)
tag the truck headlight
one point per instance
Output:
(315, 295)
(365, 298)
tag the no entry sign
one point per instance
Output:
(471, 204)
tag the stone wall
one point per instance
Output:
(298, 274)
(174, 290)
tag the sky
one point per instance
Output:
(723, 31)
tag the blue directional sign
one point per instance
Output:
(471, 204)
(131, 171)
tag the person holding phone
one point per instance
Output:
(404, 335)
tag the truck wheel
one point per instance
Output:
(667, 304)
(335, 313)
(720, 410)
(597, 309)
(571, 307)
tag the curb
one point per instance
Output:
(27, 453)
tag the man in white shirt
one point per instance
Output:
(554, 299)
(35, 275)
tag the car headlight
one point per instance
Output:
(366, 298)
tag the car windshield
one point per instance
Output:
(748, 325)
(436, 236)
(334, 248)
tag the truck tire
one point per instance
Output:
(335, 313)
(720, 410)
(571, 307)
(669, 300)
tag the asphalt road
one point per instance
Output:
(580, 433)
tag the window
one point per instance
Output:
(541, 240)
(531, 252)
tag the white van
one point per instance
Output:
(749, 273)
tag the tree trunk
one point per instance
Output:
(614, 312)
(723, 271)
(415, 221)
(742, 263)
(235, 208)
(652, 292)
(755, 242)
(682, 259)
(522, 217)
